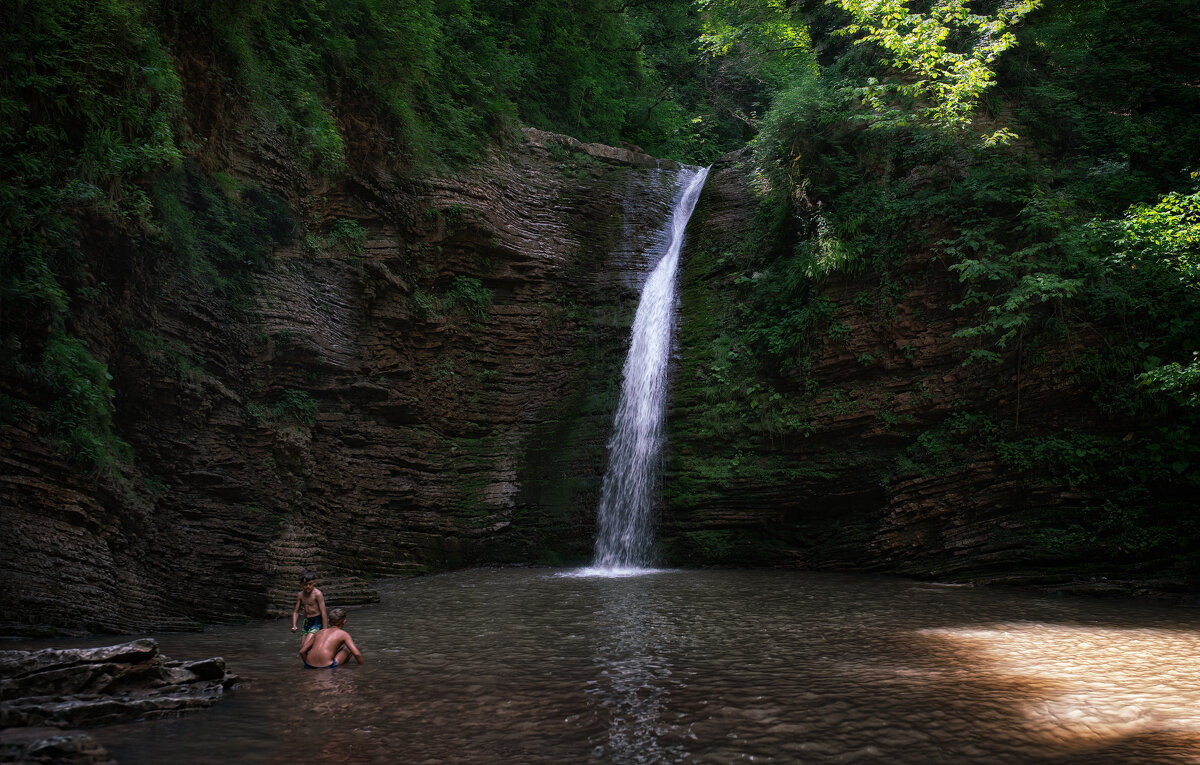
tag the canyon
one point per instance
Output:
(437, 397)
(420, 375)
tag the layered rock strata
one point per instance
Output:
(431, 390)
(49, 694)
(861, 456)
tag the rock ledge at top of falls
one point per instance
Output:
(612, 154)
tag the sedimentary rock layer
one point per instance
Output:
(434, 395)
(871, 457)
(50, 694)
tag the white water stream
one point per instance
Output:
(625, 538)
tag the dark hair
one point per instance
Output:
(337, 616)
(308, 576)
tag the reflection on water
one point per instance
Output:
(634, 677)
(533, 666)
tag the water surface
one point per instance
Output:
(537, 666)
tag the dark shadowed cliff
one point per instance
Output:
(432, 390)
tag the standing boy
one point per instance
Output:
(331, 646)
(313, 602)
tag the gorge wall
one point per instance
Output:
(431, 390)
(876, 447)
(378, 376)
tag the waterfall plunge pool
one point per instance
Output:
(545, 666)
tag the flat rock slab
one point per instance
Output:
(47, 693)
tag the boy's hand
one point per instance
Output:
(293, 628)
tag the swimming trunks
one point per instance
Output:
(311, 624)
(331, 666)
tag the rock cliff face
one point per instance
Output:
(416, 376)
(382, 376)
(864, 455)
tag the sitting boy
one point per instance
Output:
(331, 646)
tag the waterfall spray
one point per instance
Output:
(625, 536)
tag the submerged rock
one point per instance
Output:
(49, 692)
(50, 745)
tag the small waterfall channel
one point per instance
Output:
(625, 539)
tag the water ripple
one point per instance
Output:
(537, 666)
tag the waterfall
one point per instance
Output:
(625, 538)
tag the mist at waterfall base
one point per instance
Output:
(624, 516)
(525, 666)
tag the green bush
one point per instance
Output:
(469, 292)
(80, 414)
(296, 406)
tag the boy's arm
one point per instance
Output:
(353, 649)
(295, 612)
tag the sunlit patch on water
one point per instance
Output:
(1092, 683)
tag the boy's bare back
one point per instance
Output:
(331, 644)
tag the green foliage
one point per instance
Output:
(446, 78)
(89, 104)
(1086, 225)
(709, 546)
(90, 100)
(81, 411)
(469, 293)
(1180, 382)
(1161, 244)
(732, 26)
(223, 239)
(348, 236)
(258, 412)
(1010, 312)
(296, 406)
(291, 406)
(464, 293)
(938, 85)
(1163, 236)
(172, 354)
(750, 51)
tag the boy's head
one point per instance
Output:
(308, 580)
(337, 617)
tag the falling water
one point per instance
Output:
(625, 540)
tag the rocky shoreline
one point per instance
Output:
(50, 695)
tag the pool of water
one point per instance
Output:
(544, 666)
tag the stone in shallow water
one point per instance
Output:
(50, 745)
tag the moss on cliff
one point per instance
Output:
(904, 252)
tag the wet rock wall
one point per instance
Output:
(414, 375)
(867, 452)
